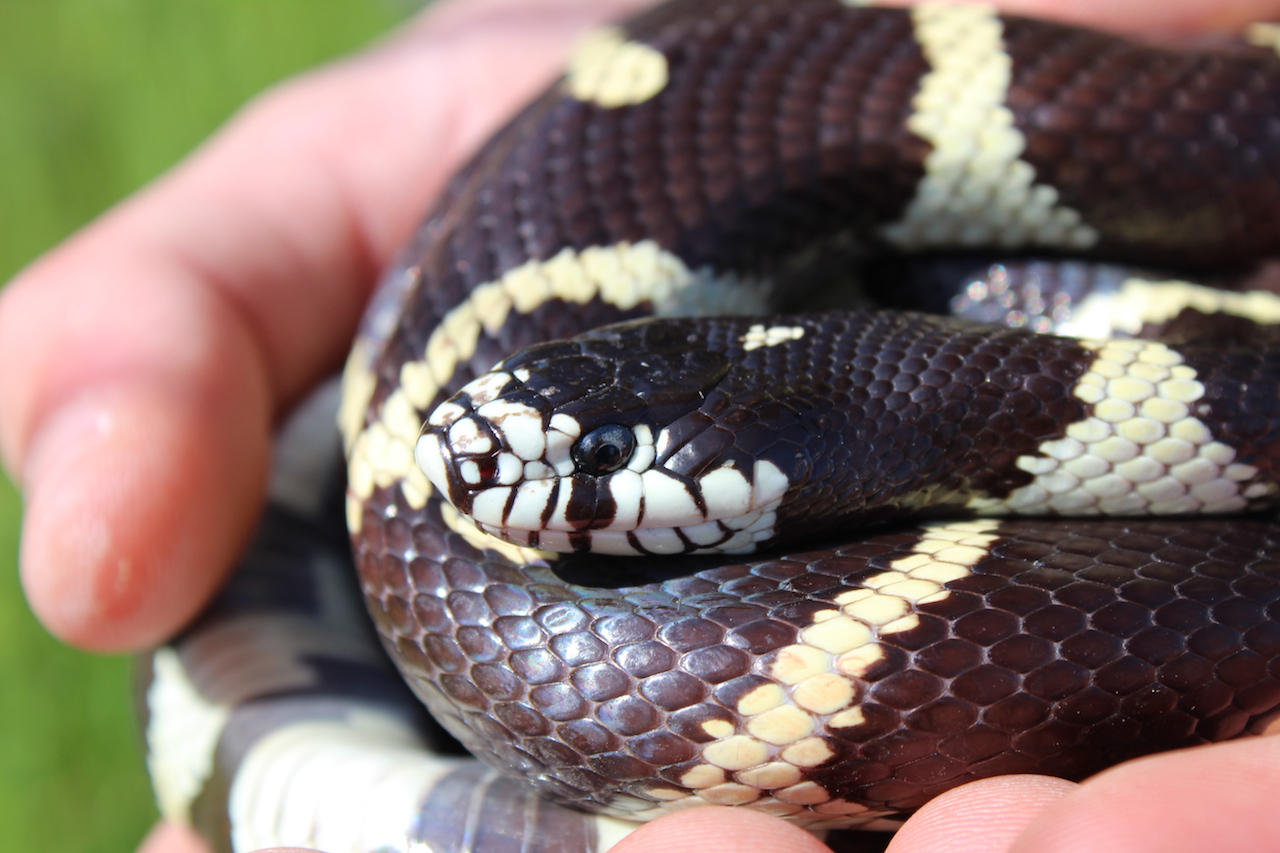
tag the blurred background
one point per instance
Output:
(96, 98)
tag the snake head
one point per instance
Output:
(597, 444)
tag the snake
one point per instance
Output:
(984, 578)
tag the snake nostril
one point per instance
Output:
(488, 469)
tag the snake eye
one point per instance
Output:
(604, 450)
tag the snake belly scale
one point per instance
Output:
(721, 157)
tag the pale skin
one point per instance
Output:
(144, 362)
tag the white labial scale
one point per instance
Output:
(530, 504)
(743, 521)
(667, 502)
(346, 786)
(627, 490)
(484, 540)
(561, 510)
(381, 453)
(705, 535)
(662, 540)
(738, 543)
(489, 506)
(558, 541)
(726, 492)
(762, 529)
(769, 484)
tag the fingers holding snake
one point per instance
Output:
(147, 360)
(737, 158)
(799, 701)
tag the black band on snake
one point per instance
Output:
(955, 556)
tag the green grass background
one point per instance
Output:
(96, 98)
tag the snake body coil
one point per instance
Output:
(724, 157)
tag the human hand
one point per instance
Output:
(1210, 798)
(141, 405)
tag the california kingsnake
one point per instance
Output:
(727, 154)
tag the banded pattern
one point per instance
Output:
(775, 142)
(733, 157)
(277, 718)
(719, 436)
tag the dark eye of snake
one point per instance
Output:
(604, 450)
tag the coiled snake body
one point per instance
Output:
(723, 157)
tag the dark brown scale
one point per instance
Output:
(784, 128)
(1138, 157)
(1028, 666)
(851, 412)
(1241, 376)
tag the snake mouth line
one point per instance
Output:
(650, 511)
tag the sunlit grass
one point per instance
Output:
(97, 97)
